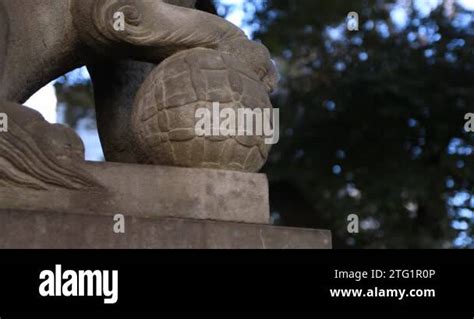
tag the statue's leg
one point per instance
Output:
(115, 87)
(154, 30)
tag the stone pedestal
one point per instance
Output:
(164, 207)
(20, 229)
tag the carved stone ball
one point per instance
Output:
(164, 113)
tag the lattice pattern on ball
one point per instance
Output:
(164, 112)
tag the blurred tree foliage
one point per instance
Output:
(372, 121)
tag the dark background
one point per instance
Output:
(372, 122)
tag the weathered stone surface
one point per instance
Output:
(153, 191)
(69, 231)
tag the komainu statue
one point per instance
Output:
(152, 64)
